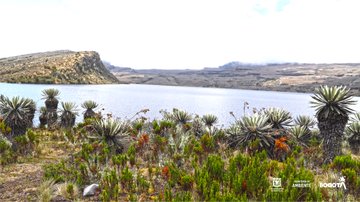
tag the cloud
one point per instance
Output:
(185, 34)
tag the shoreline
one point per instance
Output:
(250, 88)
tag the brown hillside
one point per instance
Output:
(58, 67)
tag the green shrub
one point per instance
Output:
(352, 180)
(131, 154)
(70, 190)
(252, 179)
(207, 142)
(21, 143)
(56, 172)
(215, 167)
(187, 182)
(5, 144)
(142, 184)
(7, 155)
(119, 160)
(342, 162)
(175, 175)
(4, 129)
(183, 196)
(109, 184)
(126, 179)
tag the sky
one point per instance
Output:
(185, 34)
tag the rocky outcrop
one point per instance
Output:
(57, 67)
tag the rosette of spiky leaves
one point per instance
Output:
(353, 136)
(355, 118)
(51, 98)
(32, 111)
(278, 118)
(17, 113)
(233, 133)
(89, 106)
(181, 117)
(305, 121)
(198, 126)
(301, 134)
(115, 133)
(336, 99)
(250, 129)
(209, 120)
(332, 105)
(42, 110)
(50, 93)
(68, 114)
(178, 140)
(43, 116)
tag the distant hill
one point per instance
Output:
(292, 77)
(113, 68)
(56, 67)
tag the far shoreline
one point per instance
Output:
(252, 88)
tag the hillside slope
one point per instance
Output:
(57, 67)
(276, 77)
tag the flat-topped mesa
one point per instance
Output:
(56, 67)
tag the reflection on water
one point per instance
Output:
(125, 100)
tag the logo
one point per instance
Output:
(276, 184)
(339, 184)
(301, 183)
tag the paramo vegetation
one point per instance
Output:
(187, 157)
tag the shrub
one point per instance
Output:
(142, 184)
(342, 162)
(207, 143)
(183, 196)
(109, 185)
(352, 180)
(6, 153)
(126, 179)
(4, 129)
(187, 182)
(55, 172)
(215, 167)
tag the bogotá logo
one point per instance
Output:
(339, 184)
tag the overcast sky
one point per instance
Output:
(185, 33)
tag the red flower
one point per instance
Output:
(281, 145)
(144, 138)
(244, 185)
(166, 172)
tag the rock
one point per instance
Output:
(90, 190)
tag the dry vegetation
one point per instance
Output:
(21, 181)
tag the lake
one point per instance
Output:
(124, 101)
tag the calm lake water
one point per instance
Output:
(124, 101)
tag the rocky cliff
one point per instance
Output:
(57, 67)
